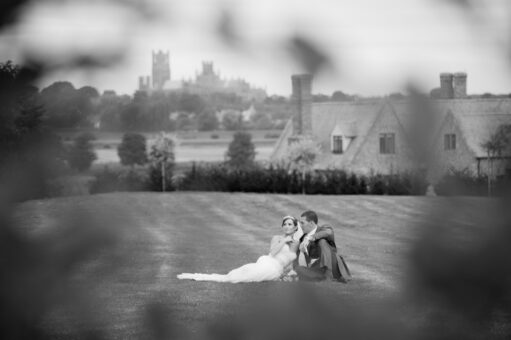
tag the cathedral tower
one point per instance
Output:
(161, 69)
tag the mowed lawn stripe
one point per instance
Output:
(162, 235)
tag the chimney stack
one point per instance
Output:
(301, 100)
(460, 85)
(446, 89)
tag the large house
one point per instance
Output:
(390, 136)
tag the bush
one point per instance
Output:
(70, 186)
(269, 180)
(81, 154)
(120, 179)
(399, 184)
(257, 179)
(462, 183)
(155, 177)
(270, 135)
(241, 151)
(132, 149)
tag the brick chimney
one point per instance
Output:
(460, 85)
(446, 89)
(301, 100)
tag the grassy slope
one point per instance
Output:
(165, 234)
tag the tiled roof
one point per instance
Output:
(327, 117)
(477, 119)
(478, 128)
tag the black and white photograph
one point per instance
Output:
(255, 169)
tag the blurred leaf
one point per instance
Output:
(309, 55)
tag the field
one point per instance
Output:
(192, 145)
(157, 236)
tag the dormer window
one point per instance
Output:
(337, 144)
(450, 141)
(342, 136)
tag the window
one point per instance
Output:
(387, 143)
(450, 141)
(337, 144)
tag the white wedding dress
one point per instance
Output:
(267, 268)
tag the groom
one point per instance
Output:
(317, 246)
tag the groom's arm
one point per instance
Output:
(326, 232)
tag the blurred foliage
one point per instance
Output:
(459, 287)
(27, 146)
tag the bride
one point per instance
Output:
(283, 251)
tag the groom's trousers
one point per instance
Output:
(324, 267)
(313, 273)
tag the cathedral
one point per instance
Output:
(207, 82)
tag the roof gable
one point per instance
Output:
(349, 119)
(477, 129)
(386, 119)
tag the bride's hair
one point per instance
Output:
(288, 217)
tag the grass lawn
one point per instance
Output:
(158, 236)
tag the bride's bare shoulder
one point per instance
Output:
(277, 237)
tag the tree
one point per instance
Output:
(301, 156)
(261, 121)
(183, 122)
(340, 96)
(81, 154)
(66, 106)
(241, 152)
(494, 145)
(232, 120)
(130, 116)
(207, 121)
(29, 151)
(320, 98)
(162, 157)
(397, 96)
(132, 149)
(191, 103)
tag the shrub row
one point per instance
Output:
(464, 184)
(220, 177)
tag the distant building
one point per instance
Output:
(205, 83)
(381, 135)
(161, 69)
(208, 82)
(160, 74)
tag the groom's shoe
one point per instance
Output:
(341, 279)
(330, 277)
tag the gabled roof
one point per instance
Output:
(346, 128)
(343, 115)
(476, 118)
(477, 129)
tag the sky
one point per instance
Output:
(373, 47)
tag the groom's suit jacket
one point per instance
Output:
(324, 249)
(324, 232)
